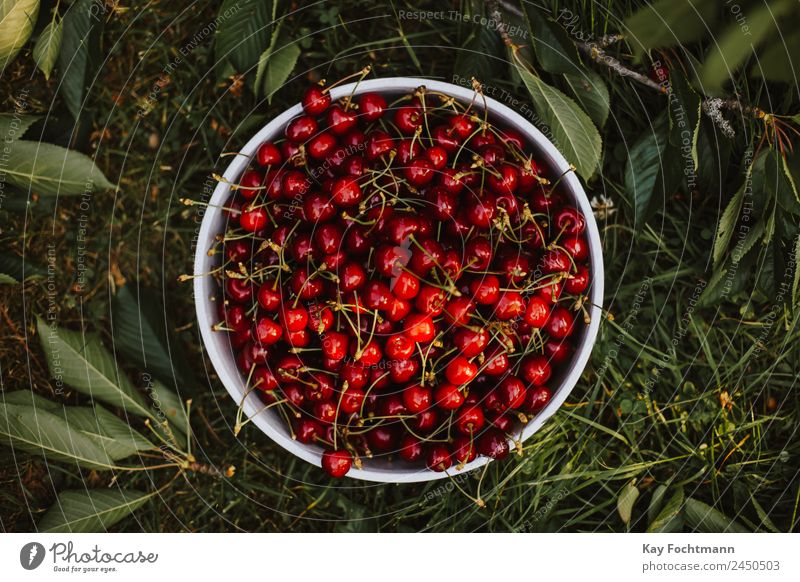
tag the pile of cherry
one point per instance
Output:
(401, 279)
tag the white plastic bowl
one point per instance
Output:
(218, 346)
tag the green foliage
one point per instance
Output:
(45, 52)
(79, 52)
(90, 510)
(243, 34)
(17, 18)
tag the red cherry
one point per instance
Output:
(507, 182)
(471, 342)
(236, 317)
(346, 192)
(316, 100)
(417, 398)
(397, 309)
(437, 156)
(371, 106)
(494, 444)
(250, 184)
(403, 370)
(579, 282)
(536, 312)
(370, 354)
(448, 397)
(576, 247)
(485, 290)
(382, 439)
(268, 331)
(410, 448)
(337, 463)
(379, 143)
(480, 211)
(460, 371)
(560, 324)
(536, 369)
(464, 449)
(405, 285)
(268, 154)
(461, 125)
(512, 392)
(496, 363)
(419, 328)
(443, 139)
(407, 150)
(479, 251)
(419, 172)
(537, 399)
(438, 458)
(318, 208)
(470, 420)
(334, 345)
(555, 261)
(509, 305)
(308, 430)
(264, 379)
(399, 347)
(557, 352)
(253, 220)
(458, 311)
(340, 121)
(570, 220)
(238, 290)
(408, 118)
(301, 128)
(377, 295)
(321, 145)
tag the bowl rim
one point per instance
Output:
(203, 283)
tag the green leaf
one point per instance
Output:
(243, 33)
(276, 63)
(7, 280)
(51, 170)
(731, 49)
(14, 126)
(778, 59)
(111, 434)
(554, 49)
(656, 502)
(140, 333)
(18, 268)
(17, 18)
(93, 510)
(168, 404)
(79, 40)
(45, 52)
(669, 518)
(704, 518)
(591, 92)
(727, 224)
(480, 55)
(627, 498)
(84, 363)
(651, 172)
(572, 131)
(667, 23)
(37, 431)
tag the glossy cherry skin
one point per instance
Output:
(405, 285)
(321, 145)
(419, 172)
(570, 220)
(403, 370)
(536, 369)
(371, 106)
(578, 282)
(340, 121)
(269, 154)
(417, 398)
(448, 397)
(458, 311)
(560, 324)
(512, 392)
(536, 312)
(254, 220)
(334, 345)
(238, 290)
(438, 458)
(410, 448)
(537, 398)
(464, 449)
(471, 342)
(346, 192)
(496, 363)
(308, 430)
(460, 371)
(316, 100)
(470, 420)
(493, 444)
(576, 247)
(509, 305)
(337, 463)
(408, 118)
(268, 331)
(399, 347)
(419, 327)
(301, 128)
(485, 290)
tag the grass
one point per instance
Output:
(698, 398)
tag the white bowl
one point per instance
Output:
(218, 346)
